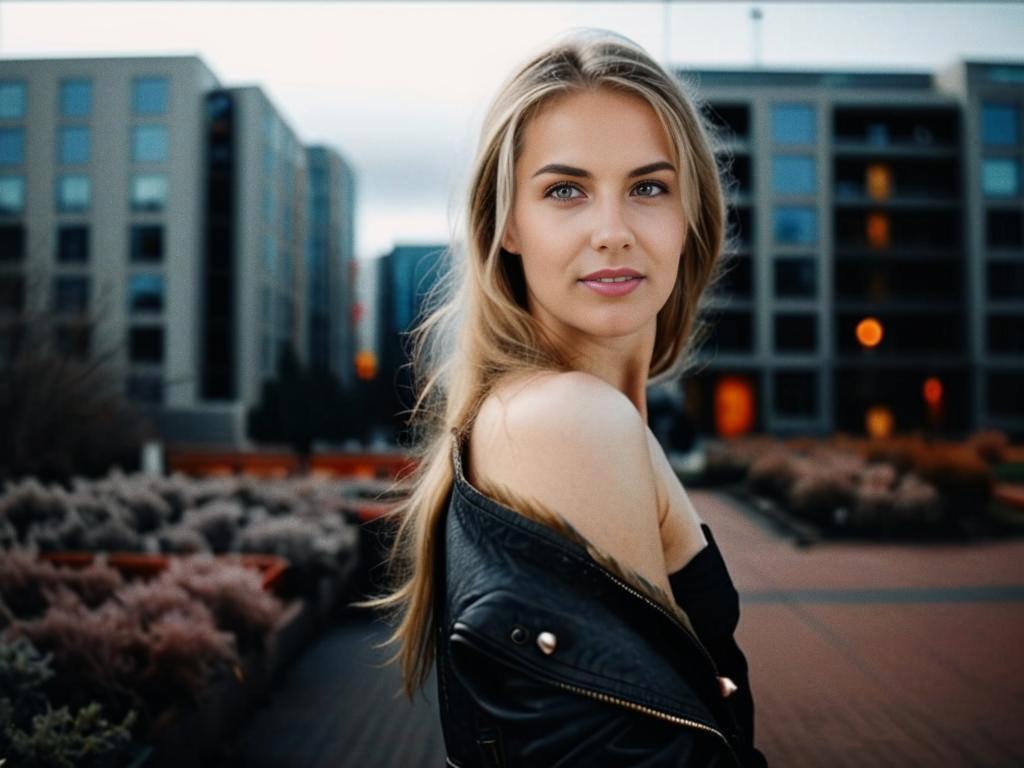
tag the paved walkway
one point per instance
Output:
(861, 655)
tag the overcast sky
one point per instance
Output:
(400, 88)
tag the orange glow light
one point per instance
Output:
(932, 391)
(734, 406)
(366, 365)
(878, 421)
(879, 178)
(869, 332)
(878, 230)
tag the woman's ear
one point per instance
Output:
(510, 240)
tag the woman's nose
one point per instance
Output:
(611, 230)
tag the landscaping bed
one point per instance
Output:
(843, 487)
(142, 617)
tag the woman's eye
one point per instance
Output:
(555, 190)
(651, 185)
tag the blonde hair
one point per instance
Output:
(477, 329)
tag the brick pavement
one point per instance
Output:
(861, 656)
(878, 654)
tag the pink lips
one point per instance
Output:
(613, 289)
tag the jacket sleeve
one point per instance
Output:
(524, 720)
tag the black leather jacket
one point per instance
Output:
(545, 658)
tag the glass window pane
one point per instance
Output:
(794, 175)
(74, 145)
(73, 193)
(70, 294)
(1000, 124)
(12, 242)
(149, 192)
(1000, 177)
(793, 124)
(149, 144)
(145, 388)
(12, 194)
(73, 243)
(796, 333)
(796, 225)
(146, 344)
(146, 293)
(12, 292)
(795, 277)
(75, 98)
(1004, 229)
(149, 95)
(12, 146)
(12, 99)
(795, 393)
(147, 243)
(1006, 280)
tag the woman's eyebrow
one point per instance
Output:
(568, 170)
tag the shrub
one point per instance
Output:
(217, 521)
(990, 444)
(33, 734)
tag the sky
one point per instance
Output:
(399, 88)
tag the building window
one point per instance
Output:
(12, 242)
(147, 242)
(796, 277)
(1000, 125)
(796, 225)
(12, 99)
(145, 388)
(12, 293)
(1000, 177)
(146, 344)
(149, 144)
(149, 95)
(795, 394)
(75, 97)
(74, 145)
(1006, 334)
(877, 231)
(72, 193)
(794, 175)
(149, 192)
(12, 146)
(732, 332)
(1003, 394)
(73, 243)
(878, 180)
(146, 293)
(796, 333)
(71, 294)
(1004, 228)
(12, 194)
(1006, 280)
(793, 124)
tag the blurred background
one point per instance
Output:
(217, 222)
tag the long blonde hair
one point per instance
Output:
(477, 329)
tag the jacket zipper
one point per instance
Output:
(609, 699)
(667, 615)
(604, 697)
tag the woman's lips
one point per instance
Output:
(613, 289)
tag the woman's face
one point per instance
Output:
(595, 189)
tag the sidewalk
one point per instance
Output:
(878, 655)
(860, 655)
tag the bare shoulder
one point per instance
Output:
(579, 447)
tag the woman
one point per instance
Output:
(547, 561)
